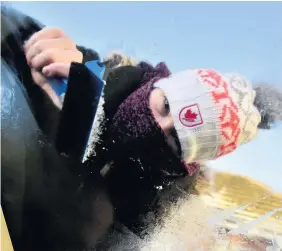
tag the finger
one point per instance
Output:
(52, 95)
(55, 55)
(45, 33)
(41, 81)
(57, 70)
(38, 77)
(43, 45)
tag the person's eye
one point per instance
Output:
(166, 105)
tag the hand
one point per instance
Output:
(46, 48)
(45, 86)
(57, 70)
(51, 45)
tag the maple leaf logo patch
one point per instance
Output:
(190, 116)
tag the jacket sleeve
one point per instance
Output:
(16, 28)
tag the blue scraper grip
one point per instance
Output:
(60, 85)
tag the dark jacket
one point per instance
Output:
(44, 201)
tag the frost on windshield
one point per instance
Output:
(224, 212)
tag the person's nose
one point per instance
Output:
(166, 124)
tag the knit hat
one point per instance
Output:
(213, 113)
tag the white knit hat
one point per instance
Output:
(213, 113)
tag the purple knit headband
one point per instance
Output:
(153, 74)
(134, 116)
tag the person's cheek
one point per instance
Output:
(154, 105)
(166, 124)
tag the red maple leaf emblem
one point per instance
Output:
(190, 116)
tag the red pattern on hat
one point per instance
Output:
(229, 118)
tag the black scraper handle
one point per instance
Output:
(84, 90)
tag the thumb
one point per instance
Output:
(57, 70)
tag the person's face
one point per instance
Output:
(143, 129)
(160, 109)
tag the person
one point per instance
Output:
(145, 135)
(151, 145)
(143, 151)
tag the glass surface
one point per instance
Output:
(237, 204)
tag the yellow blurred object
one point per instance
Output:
(6, 244)
(117, 59)
(128, 61)
(244, 206)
